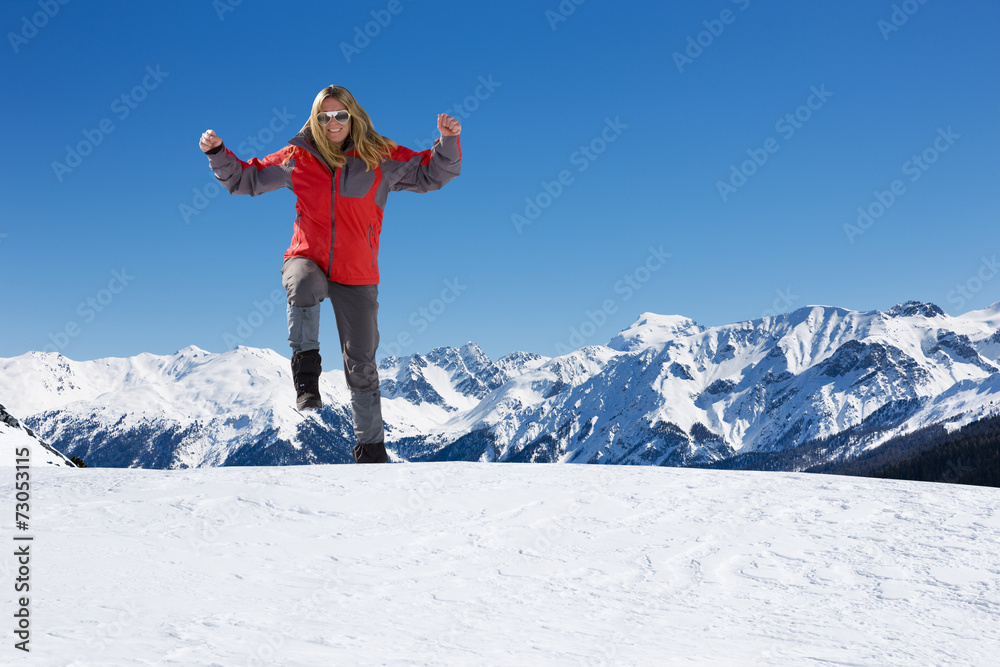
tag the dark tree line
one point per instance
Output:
(970, 455)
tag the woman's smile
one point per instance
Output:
(335, 131)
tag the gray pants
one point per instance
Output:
(356, 309)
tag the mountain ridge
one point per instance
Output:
(663, 391)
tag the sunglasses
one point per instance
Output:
(342, 117)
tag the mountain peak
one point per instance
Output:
(473, 348)
(651, 329)
(469, 354)
(915, 308)
(473, 355)
(41, 354)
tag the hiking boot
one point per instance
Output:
(370, 453)
(306, 367)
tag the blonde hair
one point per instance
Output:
(369, 145)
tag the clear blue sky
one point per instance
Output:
(133, 85)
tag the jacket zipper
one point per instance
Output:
(333, 202)
(333, 225)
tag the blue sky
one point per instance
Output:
(704, 159)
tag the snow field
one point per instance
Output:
(471, 564)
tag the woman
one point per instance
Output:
(341, 171)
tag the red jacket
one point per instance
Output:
(338, 220)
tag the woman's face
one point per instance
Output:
(336, 132)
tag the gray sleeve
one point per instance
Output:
(428, 170)
(253, 177)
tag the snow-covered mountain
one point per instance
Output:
(665, 391)
(20, 446)
(189, 409)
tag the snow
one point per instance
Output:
(18, 443)
(989, 316)
(471, 564)
(653, 330)
(14, 440)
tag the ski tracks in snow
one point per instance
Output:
(464, 563)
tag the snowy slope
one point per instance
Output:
(473, 564)
(19, 442)
(665, 391)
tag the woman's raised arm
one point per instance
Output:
(246, 178)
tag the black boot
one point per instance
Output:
(306, 367)
(370, 453)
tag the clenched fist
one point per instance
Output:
(209, 140)
(448, 126)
